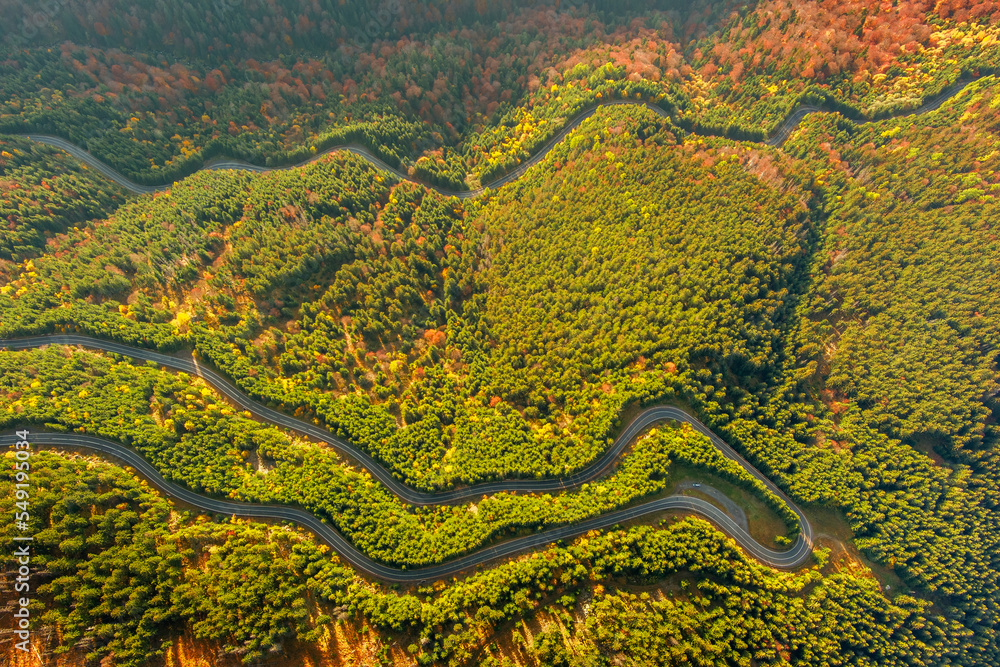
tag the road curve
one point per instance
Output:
(794, 557)
(779, 137)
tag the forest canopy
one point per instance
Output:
(825, 303)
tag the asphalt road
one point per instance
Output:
(777, 139)
(790, 559)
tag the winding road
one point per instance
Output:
(794, 557)
(779, 137)
(790, 559)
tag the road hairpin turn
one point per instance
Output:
(790, 559)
